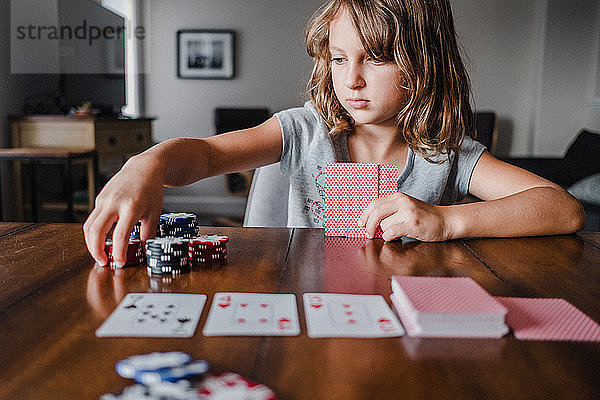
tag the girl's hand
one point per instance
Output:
(402, 215)
(134, 193)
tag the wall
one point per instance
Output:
(14, 88)
(271, 70)
(535, 63)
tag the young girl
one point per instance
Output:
(389, 87)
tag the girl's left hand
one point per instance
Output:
(402, 215)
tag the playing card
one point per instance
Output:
(388, 179)
(252, 314)
(447, 307)
(549, 319)
(349, 189)
(348, 315)
(154, 315)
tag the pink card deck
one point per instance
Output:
(349, 189)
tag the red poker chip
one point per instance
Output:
(212, 240)
(233, 386)
(206, 253)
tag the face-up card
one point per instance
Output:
(154, 315)
(549, 319)
(349, 315)
(252, 314)
(349, 189)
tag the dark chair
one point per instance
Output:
(486, 127)
(581, 159)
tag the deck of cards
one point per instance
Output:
(349, 188)
(447, 307)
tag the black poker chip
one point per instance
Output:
(167, 255)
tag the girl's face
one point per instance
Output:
(369, 90)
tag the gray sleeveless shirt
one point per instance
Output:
(307, 148)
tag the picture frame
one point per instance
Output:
(206, 54)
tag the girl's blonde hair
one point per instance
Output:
(417, 35)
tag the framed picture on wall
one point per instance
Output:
(205, 54)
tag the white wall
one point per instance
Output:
(536, 64)
(272, 68)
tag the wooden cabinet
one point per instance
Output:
(114, 139)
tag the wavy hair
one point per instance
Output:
(419, 37)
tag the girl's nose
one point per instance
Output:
(354, 79)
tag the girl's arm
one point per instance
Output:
(516, 203)
(136, 191)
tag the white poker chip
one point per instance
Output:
(172, 374)
(128, 367)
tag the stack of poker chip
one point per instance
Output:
(168, 255)
(159, 376)
(175, 375)
(181, 225)
(135, 253)
(206, 249)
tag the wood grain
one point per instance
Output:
(49, 346)
(52, 299)
(6, 228)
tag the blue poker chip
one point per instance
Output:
(135, 233)
(172, 374)
(129, 367)
(178, 218)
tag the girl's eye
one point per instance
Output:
(338, 60)
(375, 62)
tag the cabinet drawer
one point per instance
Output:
(53, 134)
(123, 139)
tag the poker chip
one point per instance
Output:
(172, 373)
(135, 233)
(135, 253)
(128, 367)
(206, 249)
(181, 225)
(233, 386)
(168, 255)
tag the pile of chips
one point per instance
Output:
(181, 225)
(205, 249)
(176, 247)
(166, 376)
(167, 255)
(135, 253)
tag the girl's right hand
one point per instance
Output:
(134, 193)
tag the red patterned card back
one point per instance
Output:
(549, 319)
(456, 295)
(349, 189)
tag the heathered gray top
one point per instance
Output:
(307, 148)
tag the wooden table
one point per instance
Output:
(52, 300)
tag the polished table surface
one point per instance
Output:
(52, 299)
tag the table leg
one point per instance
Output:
(33, 189)
(69, 190)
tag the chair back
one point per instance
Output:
(267, 204)
(486, 127)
